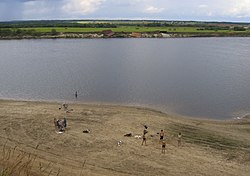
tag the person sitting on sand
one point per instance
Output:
(60, 124)
(179, 139)
(144, 139)
(163, 147)
(64, 106)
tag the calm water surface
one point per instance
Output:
(201, 77)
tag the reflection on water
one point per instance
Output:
(202, 77)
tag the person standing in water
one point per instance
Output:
(76, 95)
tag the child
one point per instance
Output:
(144, 139)
(163, 147)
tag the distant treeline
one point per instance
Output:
(95, 24)
(216, 28)
(30, 24)
(85, 24)
(18, 32)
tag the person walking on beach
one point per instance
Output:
(163, 147)
(145, 131)
(179, 139)
(144, 139)
(161, 135)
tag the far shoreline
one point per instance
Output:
(155, 35)
(97, 28)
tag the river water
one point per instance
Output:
(199, 77)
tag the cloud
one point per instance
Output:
(228, 10)
(82, 7)
(152, 9)
(239, 9)
(203, 6)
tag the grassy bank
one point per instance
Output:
(29, 144)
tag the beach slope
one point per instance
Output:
(31, 145)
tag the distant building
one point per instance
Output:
(108, 33)
(165, 35)
(136, 35)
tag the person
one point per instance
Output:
(163, 147)
(144, 139)
(65, 122)
(145, 131)
(161, 135)
(56, 123)
(65, 106)
(60, 124)
(179, 139)
(76, 94)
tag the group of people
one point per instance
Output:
(60, 124)
(179, 137)
(162, 140)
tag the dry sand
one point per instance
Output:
(30, 145)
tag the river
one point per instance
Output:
(198, 77)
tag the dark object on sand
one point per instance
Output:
(145, 126)
(128, 135)
(86, 131)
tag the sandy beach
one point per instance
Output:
(31, 145)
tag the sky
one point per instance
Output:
(197, 10)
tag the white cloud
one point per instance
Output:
(82, 6)
(239, 9)
(152, 9)
(228, 10)
(203, 6)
